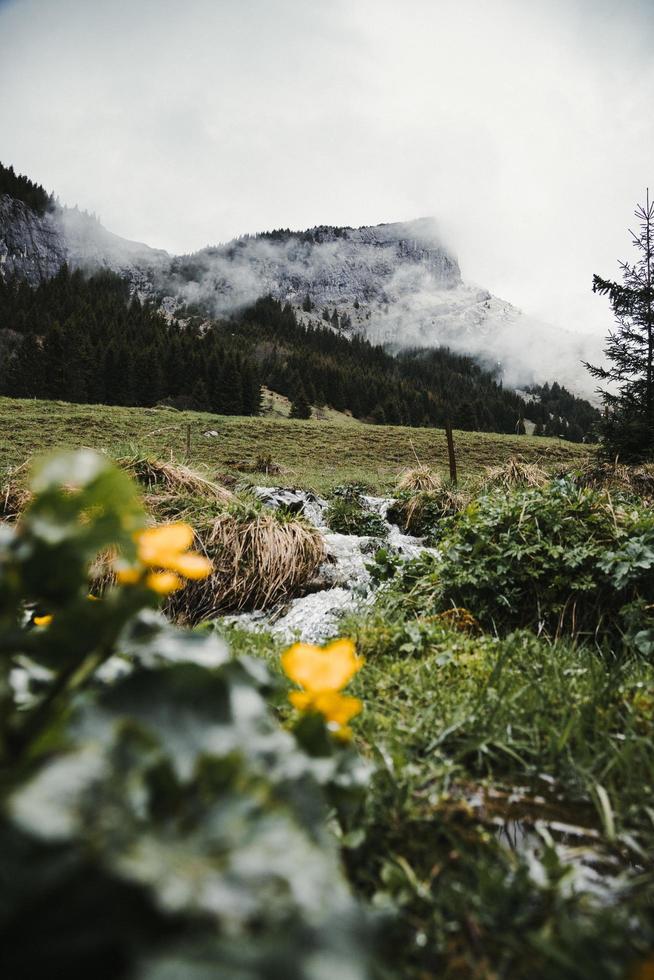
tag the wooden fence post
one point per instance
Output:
(450, 452)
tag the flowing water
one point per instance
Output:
(343, 582)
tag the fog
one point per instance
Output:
(524, 128)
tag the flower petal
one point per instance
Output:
(335, 708)
(166, 540)
(322, 669)
(191, 565)
(163, 582)
(300, 700)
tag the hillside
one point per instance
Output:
(312, 455)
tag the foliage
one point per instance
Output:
(558, 559)
(557, 412)
(506, 831)
(23, 189)
(423, 513)
(156, 821)
(300, 406)
(484, 748)
(85, 340)
(348, 514)
(628, 429)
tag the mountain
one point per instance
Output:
(394, 284)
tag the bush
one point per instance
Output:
(156, 819)
(422, 513)
(347, 514)
(558, 559)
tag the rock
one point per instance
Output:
(303, 502)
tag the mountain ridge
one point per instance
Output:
(395, 284)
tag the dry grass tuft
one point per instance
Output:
(102, 573)
(458, 618)
(258, 559)
(418, 479)
(169, 479)
(419, 513)
(515, 473)
(14, 496)
(637, 481)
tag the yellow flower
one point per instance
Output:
(323, 672)
(42, 620)
(164, 559)
(327, 668)
(157, 545)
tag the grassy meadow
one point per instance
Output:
(312, 454)
(471, 800)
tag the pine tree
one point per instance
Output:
(300, 407)
(628, 428)
(231, 394)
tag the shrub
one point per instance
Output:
(349, 517)
(347, 513)
(558, 559)
(421, 513)
(156, 821)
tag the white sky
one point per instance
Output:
(526, 127)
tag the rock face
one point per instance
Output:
(31, 247)
(34, 247)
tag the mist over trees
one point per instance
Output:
(86, 340)
(628, 425)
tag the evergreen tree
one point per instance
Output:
(300, 407)
(231, 395)
(628, 428)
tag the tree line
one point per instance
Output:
(85, 339)
(23, 189)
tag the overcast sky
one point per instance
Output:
(526, 127)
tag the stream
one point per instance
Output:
(342, 583)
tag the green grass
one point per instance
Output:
(313, 454)
(483, 749)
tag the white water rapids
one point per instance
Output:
(344, 582)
